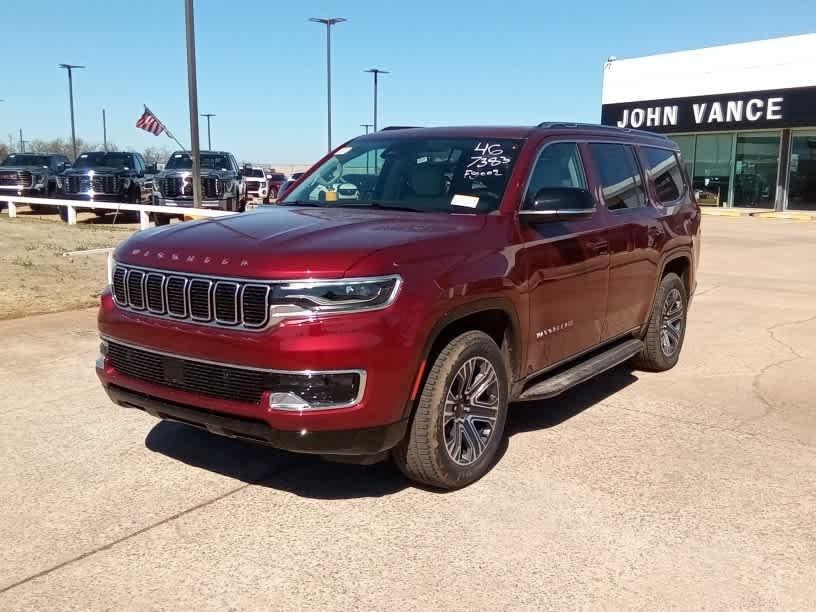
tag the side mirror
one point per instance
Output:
(558, 204)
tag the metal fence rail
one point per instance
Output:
(142, 209)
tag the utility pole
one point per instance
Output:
(104, 131)
(366, 126)
(209, 137)
(376, 72)
(69, 68)
(328, 22)
(192, 92)
(22, 146)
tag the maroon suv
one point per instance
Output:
(407, 289)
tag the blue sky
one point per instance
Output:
(261, 64)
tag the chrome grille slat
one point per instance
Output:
(154, 290)
(222, 302)
(225, 302)
(135, 289)
(175, 296)
(199, 298)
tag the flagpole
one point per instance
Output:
(192, 93)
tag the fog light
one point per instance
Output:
(103, 348)
(315, 390)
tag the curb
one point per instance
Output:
(794, 216)
(725, 212)
(758, 214)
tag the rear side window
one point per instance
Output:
(621, 183)
(559, 165)
(663, 168)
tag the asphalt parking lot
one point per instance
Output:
(690, 489)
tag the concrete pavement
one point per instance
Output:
(694, 488)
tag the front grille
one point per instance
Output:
(221, 381)
(22, 179)
(179, 186)
(77, 184)
(106, 184)
(171, 187)
(253, 186)
(217, 301)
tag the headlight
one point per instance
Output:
(315, 297)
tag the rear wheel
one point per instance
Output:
(459, 420)
(667, 327)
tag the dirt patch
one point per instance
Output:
(35, 277)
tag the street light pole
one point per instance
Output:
(366, 126)
(209, 138)
(104, 131)
(192, 92)
(328, 22)
(376, 72)
(70, 68)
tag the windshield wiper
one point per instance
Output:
(381, 206)
(302, 203)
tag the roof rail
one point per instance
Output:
(595, 126)
(397, 127)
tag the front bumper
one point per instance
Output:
(383, 344)
(219, 204)
(368, 441)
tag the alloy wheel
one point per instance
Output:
(671, 324)
(471, 409)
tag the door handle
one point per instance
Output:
(601, 247)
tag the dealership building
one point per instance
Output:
(744, 116)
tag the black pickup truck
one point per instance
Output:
(32, 175)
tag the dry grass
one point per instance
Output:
(35, 277)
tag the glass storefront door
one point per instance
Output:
(755, 169)
(802, 178)
(686, 144)
(712, 168)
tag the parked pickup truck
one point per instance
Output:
(221, 184)
(407, 289)
(255, 185)
(107, 176)
(32, 175)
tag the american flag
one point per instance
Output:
(150, 123)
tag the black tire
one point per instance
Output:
(423, 455)
(666, 328)
(161, 219)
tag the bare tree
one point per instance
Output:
(156, 155)
(4, 152)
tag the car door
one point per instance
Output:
(567, 265)
(634, 234)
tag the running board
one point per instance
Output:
(582, 371)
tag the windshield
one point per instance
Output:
(423, 174)
(100, 158)
(16, 159)
(254, 173)
(277, 177)
(209, 161)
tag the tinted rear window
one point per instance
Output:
(664, 169)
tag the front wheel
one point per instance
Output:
(458, 424)
(667, 327)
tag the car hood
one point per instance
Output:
(290, 242)
(96, 170)
(204, 173)
(19, 168)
